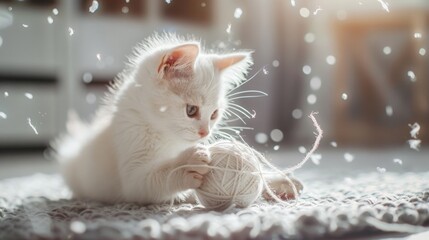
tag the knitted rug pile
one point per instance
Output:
(40, 207)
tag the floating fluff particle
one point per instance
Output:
(235, 179)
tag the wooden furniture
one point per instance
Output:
(376, 58)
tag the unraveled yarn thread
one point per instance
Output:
(234, 180)
(236, 177)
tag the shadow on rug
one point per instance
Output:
(39, 207)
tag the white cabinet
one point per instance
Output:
(29, 114)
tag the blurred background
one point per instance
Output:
(361, 64)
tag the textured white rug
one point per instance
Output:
(39, 207)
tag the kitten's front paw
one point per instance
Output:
(283, 189)
(197, 163)
(192, 180)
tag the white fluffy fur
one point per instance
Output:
(142, 131)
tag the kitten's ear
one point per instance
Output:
(179, 61)
(234, 67)
(223, 62)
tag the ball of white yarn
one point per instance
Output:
(235, 178)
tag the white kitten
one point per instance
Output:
(171, 97)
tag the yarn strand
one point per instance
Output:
(297, 166)
(315, 145)
(223, 190)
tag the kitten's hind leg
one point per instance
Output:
(187, 196)
(282, 187)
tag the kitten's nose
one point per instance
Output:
(203, 133)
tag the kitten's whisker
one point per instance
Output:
(227, 116)
(227, 113)
(212, 138)
(225, 135)
(247, 91)
(245, 81)
(231, 120)
(234, 128)
(238, 116)
(240, 109)
(237, 111)
(247, 96)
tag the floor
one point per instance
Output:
(332, 164)
(17, 165)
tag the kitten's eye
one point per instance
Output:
(214, 115)
(191, 110)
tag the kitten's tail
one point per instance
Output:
(66, 145)
(74, 124)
